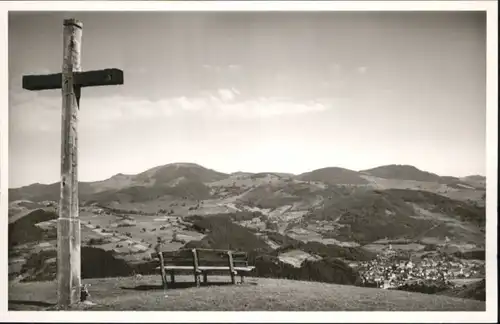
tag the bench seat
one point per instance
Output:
(206, 268)
(201, 262)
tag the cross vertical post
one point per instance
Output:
(68, 236)
(70, 81)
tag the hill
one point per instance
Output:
(329, 205)
(183, 189)
(402, 172)
(154, 180)
(476, 181)
(409, 172)
(476, 290)
(24, 230)
(260, 294)
(188, 179)
(333, 176)
(36, 192)
(366, 216)
(171, 172)
(95, 263)
(316, 226)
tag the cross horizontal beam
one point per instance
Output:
(81, 79)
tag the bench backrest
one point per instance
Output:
(208, 257)
(202, 257)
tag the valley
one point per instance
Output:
(325, 225)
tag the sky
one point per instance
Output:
(255, 92)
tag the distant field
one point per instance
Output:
(257, 294)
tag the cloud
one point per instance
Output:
(228, 94)
(32, 112)
(334, 68)
(269, 107)
(361, 69)
(28, 111)
(325, 84)
(234, 67)
(222, 68)
(212, 68)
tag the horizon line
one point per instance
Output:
(240, 171)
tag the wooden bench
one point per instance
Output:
(201, 262)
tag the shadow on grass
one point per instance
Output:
(184, 285)
(31, 303)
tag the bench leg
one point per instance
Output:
(205, 277)
(233, 280)
(242, 276)
(164, 281)
(172, 277)
(197, 278)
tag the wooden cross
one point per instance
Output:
(70, 81)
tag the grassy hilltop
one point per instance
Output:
(255, 295)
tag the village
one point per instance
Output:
(390, 271)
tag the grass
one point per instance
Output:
(257, 294)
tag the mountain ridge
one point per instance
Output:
(475, 177)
